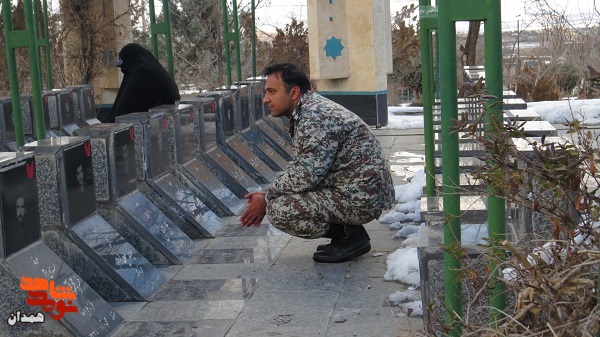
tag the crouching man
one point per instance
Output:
(338, 180)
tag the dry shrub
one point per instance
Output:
(551, 274)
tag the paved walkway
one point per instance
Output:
(262, 282)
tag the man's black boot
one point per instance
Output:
(354, 243)
(334, 232)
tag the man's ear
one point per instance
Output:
(296, 93)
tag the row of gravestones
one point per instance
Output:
(96, 211)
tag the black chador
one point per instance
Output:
(146, 84)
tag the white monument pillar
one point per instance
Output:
(350, 48)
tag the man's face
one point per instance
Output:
(280, 102)
(80, 175)
(21, 209)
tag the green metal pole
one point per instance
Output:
(12, 72)
(153, 36)
(34, 69)
(450, 167)
(168, 39)
(43, 42)
(165, 29)
(49, 82)
(236, 32)
(253, 38)
(427, 84)
(226, 42)
(496, 205)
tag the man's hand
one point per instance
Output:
(256, 211)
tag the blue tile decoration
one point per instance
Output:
(333, 47)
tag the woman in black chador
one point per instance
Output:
(146, 84)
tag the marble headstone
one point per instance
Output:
(117, 257)
(50, 104)
(256, 105)
(85, 105)
(7, 127)
(113, 157)
(229, 173)
(225, 125)
(94, 317)
(66, 112)
(65, 179)
(260, 146)
(212, 189)
(243, 155)
(207, 125)
(194, 210)
(184, 138)
(20, 218)
(151, 142)
(273, 138)
(153, 125)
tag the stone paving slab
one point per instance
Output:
(259, 281)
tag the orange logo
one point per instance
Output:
(54, 299)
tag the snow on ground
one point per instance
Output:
(584, 110)
(403, 264)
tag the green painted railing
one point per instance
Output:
(23, 39)
(448, 13)
(165, 29)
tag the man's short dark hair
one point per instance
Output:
(291, 76)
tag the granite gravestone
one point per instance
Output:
(280, 125)
(113, 158)
(225, 109)
(273, 138)
(183, 136)
(65, 182)
(85, 105)
(259, 145)
(157, 228)
(244, 105)
(153, 128)
(255, 139)
(230, 173)
(7, 128)
(113, 153)
(211, 190)
(20, 218)
(255, 92)
(205, 120)
(94, 316)
(232, 144)
(117, 257)
(51, 122)
(66, 112)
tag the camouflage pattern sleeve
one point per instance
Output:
(315, 145)
(336, 150)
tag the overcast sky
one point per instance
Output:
(279, 13)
